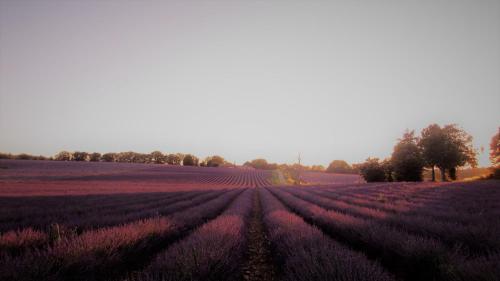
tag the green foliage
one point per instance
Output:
(6, 156)
(407, 161)
(317, 168)
(63, 156)
(156, 157)
(261, 164)
(109, 157)
(126, 157)
(277, 178)
(173, 159)
(495, 149)
(95, 157)
(291, 173)
(340, 166)
(372, 170)
(190, 160)
(388, 168)
(447, 148)
(80, 156)
(214, 161)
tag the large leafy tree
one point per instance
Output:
(447, 148)
(407, 162)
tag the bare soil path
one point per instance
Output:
(259, 265)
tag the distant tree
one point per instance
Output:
(261, 164)
(80, 156)
(495, 155)
(126, 157)
(6, 156)
(407, 160)
(447, 148)
(173, 159)
(63, 156)
(272, 166)
(109, 157)
(372, 170)
(495, 149)
(190, 160)
(95, 157)
(24, 156)
(215, 161)
(143, 158)
(339, 166)
(317, 168)
(181, 156)
(157, 157)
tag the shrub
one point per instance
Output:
(372, 170)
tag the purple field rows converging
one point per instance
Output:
(139, 222)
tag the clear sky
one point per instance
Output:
(245, 79)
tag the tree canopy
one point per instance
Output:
(190, 160)
(495, 149)
(214, 161)
(261, 164)
(173, 159)
(372, 170)
(339, 166)
(447, 148)
(407, 161)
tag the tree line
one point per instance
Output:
(437, 148)
(155, 157)
(445, 148)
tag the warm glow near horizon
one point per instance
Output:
(245, 79)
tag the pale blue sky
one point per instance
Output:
(245, 79)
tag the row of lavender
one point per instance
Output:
(105, 253)
(315, 234)
(302, 252)
(416, 231)
(91, 171)
(79, 214)
(215, 250)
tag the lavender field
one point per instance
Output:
(110, 221)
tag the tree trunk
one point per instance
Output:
(433, 174)
(443, 174)
(453, 174)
